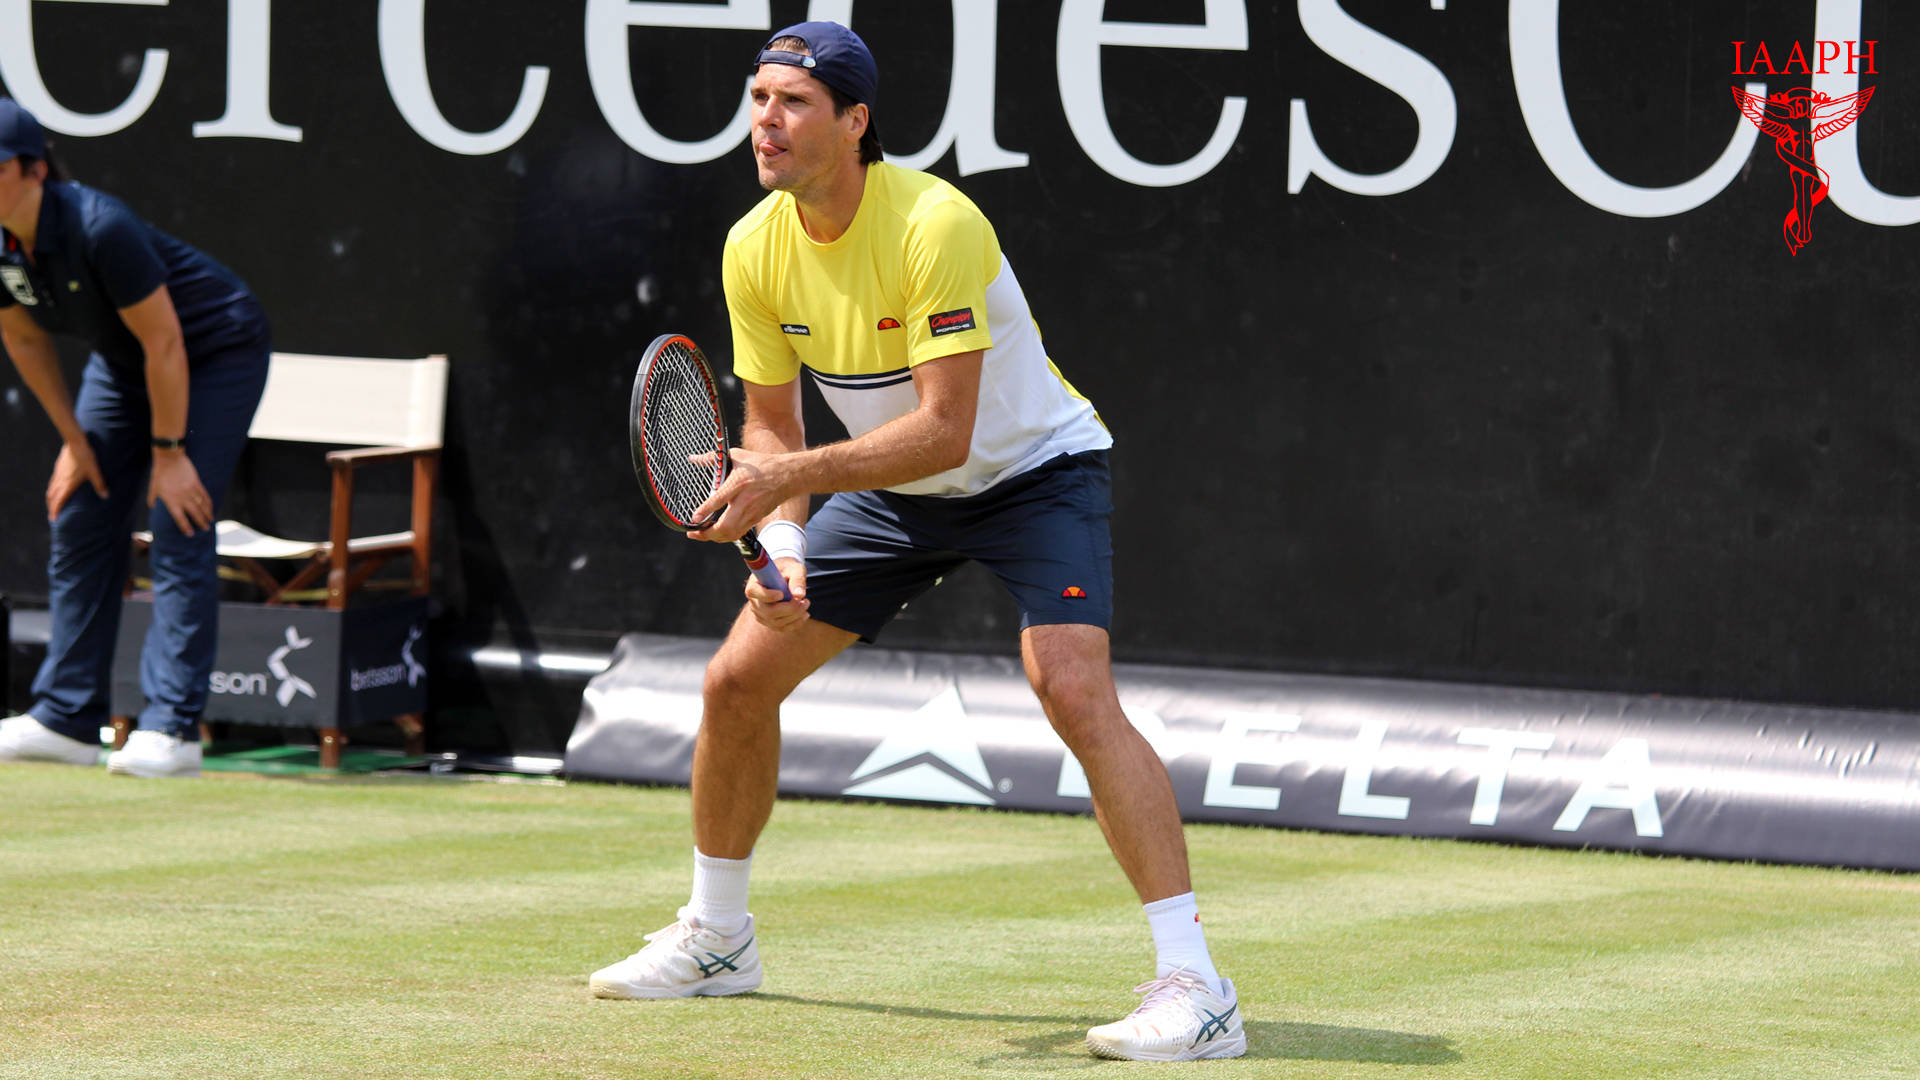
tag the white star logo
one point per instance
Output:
(936, 731)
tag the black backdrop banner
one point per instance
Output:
(1456, 341)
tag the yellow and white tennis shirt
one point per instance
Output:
(918, 275)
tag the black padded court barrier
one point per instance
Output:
(1683, 776)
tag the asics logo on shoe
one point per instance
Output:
(1215, 1026)
(727, 961)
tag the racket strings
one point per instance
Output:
(681, 419)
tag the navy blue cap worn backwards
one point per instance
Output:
(835, 55)
(20, 133)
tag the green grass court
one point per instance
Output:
(372, 927)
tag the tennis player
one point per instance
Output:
(890, 288)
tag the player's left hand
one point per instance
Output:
(752, 490)
(776, 612)
(176, 484)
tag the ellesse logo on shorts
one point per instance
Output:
(951, 322)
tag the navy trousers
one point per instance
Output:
(92, 547)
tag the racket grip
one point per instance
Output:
(761, 565)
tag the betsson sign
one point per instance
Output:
(967, 122)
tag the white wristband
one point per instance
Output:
(784, 540)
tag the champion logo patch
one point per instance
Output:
(887, 324)
(795, 328)
(1073, 591)
(951, 322)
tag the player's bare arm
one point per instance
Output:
(32, 352)
(774, 425)
(935, 436)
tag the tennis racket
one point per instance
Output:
(676, 415)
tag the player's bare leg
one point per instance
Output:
(1133, 800)
(1188, 1011)
(736, 756)
(711, 948)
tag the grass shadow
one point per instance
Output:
(924, 1013)
(1266, 1039)
(1328, 1042)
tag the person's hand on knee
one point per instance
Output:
(175, 483)
(76, 465)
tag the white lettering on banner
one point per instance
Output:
(20, 70)
(374, 678)
(1850, 190)
(249, 45)
(1533, 40)
(610, 71)
(1623, 780)
(244, 683)
(403, 60)
(967, 124)
(408, 670)
(1355, 799)
(1500, 745)
(1392, 65)
(1083, 32)
(1236, 748)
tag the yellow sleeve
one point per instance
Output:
(952, 254)
(760, 351)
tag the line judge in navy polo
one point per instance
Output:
(179, 358)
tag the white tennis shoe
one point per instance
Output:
(685, 960)
(1182, 1019)
(22, 738)
(154, 754)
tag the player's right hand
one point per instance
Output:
(771, 609)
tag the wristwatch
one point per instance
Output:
(169, 444)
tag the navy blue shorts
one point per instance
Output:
(1043, 533)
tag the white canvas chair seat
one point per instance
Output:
(236, 541)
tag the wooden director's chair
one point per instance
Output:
(384, 411)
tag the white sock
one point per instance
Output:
(1178, 939)
(720, 892)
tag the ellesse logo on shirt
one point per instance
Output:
(795, 328)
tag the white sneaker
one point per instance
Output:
(1182, 1019)
(684, 960)
(155, 753)
(22, 738)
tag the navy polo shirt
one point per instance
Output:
(93, 256)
